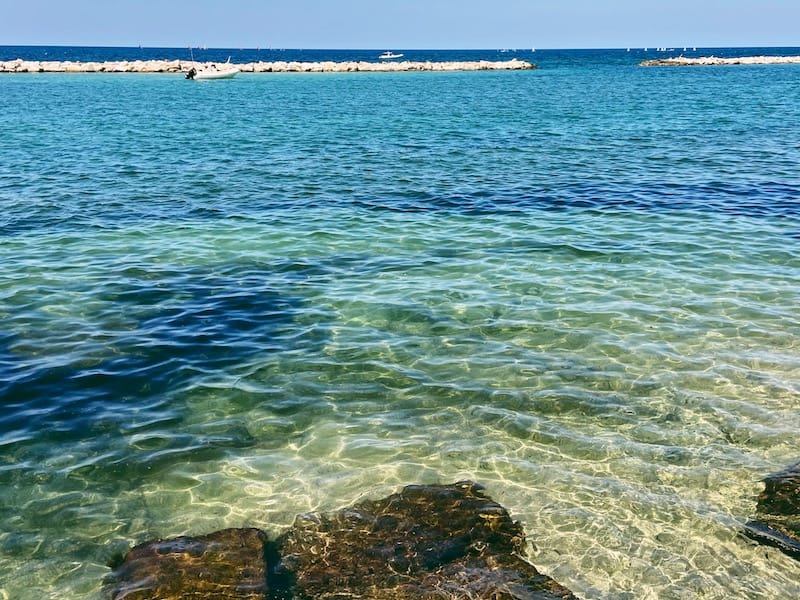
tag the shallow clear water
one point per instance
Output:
(228, 303)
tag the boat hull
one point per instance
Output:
(211, 74)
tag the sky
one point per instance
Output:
(401, 24)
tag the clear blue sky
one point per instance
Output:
(399, 24)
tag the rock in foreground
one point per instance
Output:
(226, 565)
(424, 543)
(778, 511)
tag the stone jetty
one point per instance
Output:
(682, 61)
(425, 542)
(177, 66)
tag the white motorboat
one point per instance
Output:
(388, 55)
(212, 71)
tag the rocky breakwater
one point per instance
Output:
(682, 61)
(425, 542)
(121, 66)
(176, 66)
(777, 520)
(349, 67)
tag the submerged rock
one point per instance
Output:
(778, 511)
(448, 541)
(424, 543)
(225, 565)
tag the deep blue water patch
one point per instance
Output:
(174, 326)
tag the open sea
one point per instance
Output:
(226, 303)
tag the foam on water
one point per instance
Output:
(226, 305)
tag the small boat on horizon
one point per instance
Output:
(389, 55)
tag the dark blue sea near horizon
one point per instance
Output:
(544, 58)
(227, 303)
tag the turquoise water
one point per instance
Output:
(227, 303)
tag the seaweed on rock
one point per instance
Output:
(225, 565)
(778, 512)
(423, 543)
(448, 541)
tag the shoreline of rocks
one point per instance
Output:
(426, 541)
(682, 61)
(181, 66)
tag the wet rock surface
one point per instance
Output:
(778, 512)
(423, 543)
(226, 565)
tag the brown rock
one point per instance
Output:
(778, 511)
(224, 565)
(437, 542)
(446, 541)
